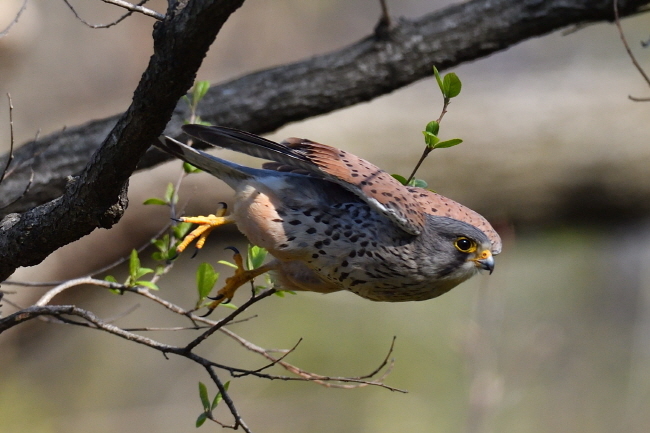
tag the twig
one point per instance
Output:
(617, 21)
(15, 20)
(227, 319)
(129, 6)
(47, 297)
(382, 29)
(6, 170)
(136, 8)
(11, 135)
(231, 405)
(427, 149)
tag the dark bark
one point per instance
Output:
(97, 196)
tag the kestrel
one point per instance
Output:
(333, 221)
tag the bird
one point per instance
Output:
(332, 221)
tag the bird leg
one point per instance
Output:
(241, 277)
(206, 225)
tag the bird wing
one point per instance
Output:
(377, 188)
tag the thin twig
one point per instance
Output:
(226, 398)
(617, 21)
(11, 136)
(327, 381)
(229, 318)
(47, 297)
(635, 99)
(130, 7)
(427, 150)
(14, 21)
(136, 8)
(6, 172)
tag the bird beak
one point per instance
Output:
(485, 260)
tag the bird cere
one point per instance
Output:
(333, 221)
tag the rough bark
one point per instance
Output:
(97, 196)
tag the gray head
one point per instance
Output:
(455, 250)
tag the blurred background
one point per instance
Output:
(557, 339)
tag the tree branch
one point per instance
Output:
(266, 100)
(97, 197)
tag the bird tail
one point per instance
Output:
(253, 145)
(231, 173)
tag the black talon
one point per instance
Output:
(207, 314)
(223, 205)
(233, 249)
(219, 297)
(196, 251)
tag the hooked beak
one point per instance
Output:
(485, 260)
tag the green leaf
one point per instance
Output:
(219, 397)
(452, 85)
(112, 279)
(255, 257)
(430, 139)
(189, 168)
(159, 244)
(171, 254)
(201, 419)
(134, 264)
(141, 272)
(400, 178)
(181, 229)
(448, 143)
(154, 200)
(433, 127)
(229, 305)
(169, 193)
(147, 284)
(227, 263)
(418, 183)
(206, 278)
(199, 91)
(439, 80)
(203, 394)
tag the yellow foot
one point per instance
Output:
(241, 277)
(206, 225)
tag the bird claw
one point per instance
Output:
(206, 225)
(241, 277)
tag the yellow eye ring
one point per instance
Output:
(465, 245)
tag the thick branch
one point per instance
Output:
(97, 197)
(264, 101)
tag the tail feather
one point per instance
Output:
(227, 171)
(253, 145)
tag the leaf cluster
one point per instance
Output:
(208, 406)
(450, 86)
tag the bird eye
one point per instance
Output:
(465, 245)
